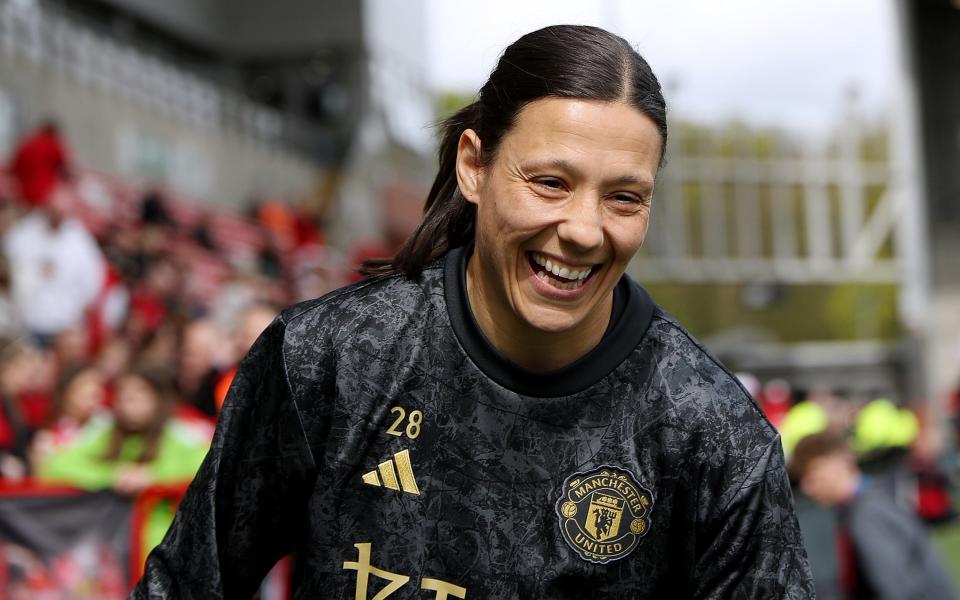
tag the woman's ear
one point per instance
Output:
(469, 166)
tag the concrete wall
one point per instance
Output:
(196, 20)
(245, 27)
(284, 26)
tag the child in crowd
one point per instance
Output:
(137, 447)
(20, 365)
(77, 398)
(885, 552)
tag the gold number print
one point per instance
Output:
(413, 424)
(393, 428)
(412, 429)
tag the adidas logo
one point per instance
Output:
(386, 474)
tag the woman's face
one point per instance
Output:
(83, 396)
(136, 404)
(561, 210)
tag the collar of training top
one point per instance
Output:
(632, 313)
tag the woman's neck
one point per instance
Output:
(524, 345)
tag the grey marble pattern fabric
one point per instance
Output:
(362, 435)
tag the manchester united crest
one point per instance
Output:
(604, 513)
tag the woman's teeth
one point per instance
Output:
(573, 277)
(569, 285)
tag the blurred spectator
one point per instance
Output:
(243, 288)
(252, 322)
(109, 310)
(317, 270)
(803, 419)
(10, 213)
(270, 257)
(364, 251)
(308, 225)
(78, 396)
(158, 230)
(113, 360)
(71, 346)
(17, 370)
(137, 447)
(154, 211)
(881, 427)
(775, 401)
(160, 348)
(122, 246)
(57, 267)
(884, 551)
(10, 325)
(821, 409)
(202, 234)
(203, 356)
(155, 300)
(40, 162)
(279, 222)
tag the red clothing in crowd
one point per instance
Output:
(38, 163)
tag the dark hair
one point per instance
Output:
(60, 390)
(160, 381)
(50, 125)
(12, 349)
(561, 61)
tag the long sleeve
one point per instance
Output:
(180, 456)
(247, 506)
(753, 548)
(81, 463)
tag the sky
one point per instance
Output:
(790, 63)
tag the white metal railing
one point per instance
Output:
(47, 38)
(814, 216)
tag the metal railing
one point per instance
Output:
(796, 214)
(44, 37)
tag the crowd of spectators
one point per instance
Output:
(869, 480)
(123, 314)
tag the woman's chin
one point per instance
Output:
(551, 320)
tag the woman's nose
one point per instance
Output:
(582, 224)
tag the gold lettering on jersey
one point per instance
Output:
(442, 588)
(364, 569)
(395, 473)
(603, 513)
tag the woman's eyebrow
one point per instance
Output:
(552, 163)
(643, 182)
(568, 167)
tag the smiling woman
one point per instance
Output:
(561, 210)
(498, 410)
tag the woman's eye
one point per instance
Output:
(629, 199)
(550, 182)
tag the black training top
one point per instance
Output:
(376, 434)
